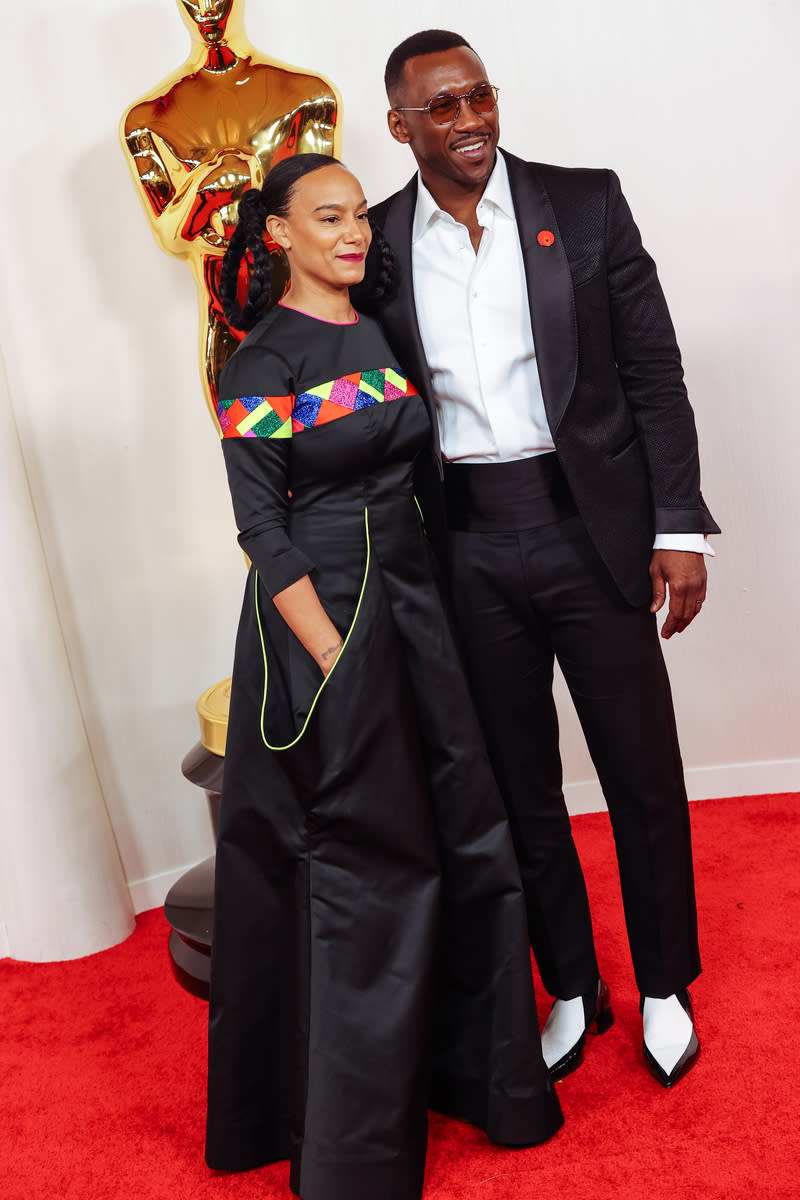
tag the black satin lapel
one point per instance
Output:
(549, 284)
(399, 315)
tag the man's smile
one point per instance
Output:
(472, 148)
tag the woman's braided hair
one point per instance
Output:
(274, 198)
(379, 275)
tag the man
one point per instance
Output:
(533, 322)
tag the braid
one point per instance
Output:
(386, 266)
(380, 273)
(247, 236)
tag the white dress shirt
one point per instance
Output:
(475, 324)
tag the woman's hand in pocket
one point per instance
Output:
(329, 656)
(300, 607)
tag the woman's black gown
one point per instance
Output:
(370, 949)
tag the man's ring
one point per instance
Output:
(698, 603)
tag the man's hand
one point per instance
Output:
(684, 573)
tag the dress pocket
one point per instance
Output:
(310, 704)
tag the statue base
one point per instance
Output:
(189, 906)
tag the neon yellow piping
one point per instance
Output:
(419, 510)
(289, 745)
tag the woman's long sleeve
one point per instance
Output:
(255, 415)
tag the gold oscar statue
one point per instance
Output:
(209, 131)
(194, 143)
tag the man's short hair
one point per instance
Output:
(429, 41)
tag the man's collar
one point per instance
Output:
(498, 189)
(497, 192)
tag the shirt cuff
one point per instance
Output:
(695, 542)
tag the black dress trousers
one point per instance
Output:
(529, 587)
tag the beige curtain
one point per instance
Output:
(62, 889)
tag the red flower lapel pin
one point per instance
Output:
(545, 237)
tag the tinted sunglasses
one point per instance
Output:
(444, 110)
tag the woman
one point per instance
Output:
(370, 942)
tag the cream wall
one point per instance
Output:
(691, 101)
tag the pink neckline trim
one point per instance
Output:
(313, 318)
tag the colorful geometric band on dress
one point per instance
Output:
(336, 399)
(281, 416)
(256, 416)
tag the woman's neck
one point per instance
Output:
(328, 305)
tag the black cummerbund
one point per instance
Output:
(493, 497)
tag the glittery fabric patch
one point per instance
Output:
(338, 397)
(281, 416)
(255, 416)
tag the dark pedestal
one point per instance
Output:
(189, 906)
(206, 769)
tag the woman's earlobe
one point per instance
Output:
(277, 231)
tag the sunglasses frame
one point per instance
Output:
(447, 96)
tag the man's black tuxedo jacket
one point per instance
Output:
(608, 361)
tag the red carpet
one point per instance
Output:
(102, 1060)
